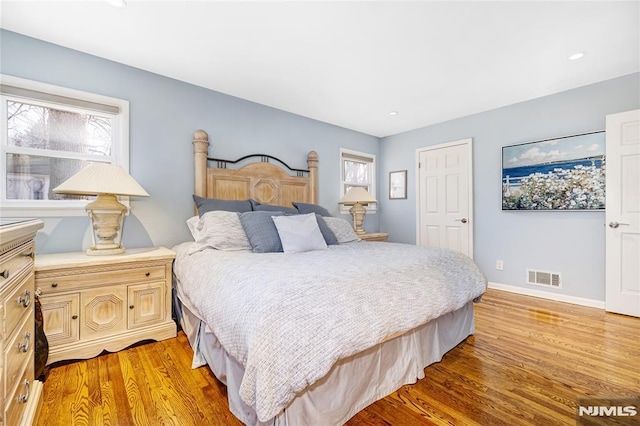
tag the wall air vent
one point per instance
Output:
(545, 278)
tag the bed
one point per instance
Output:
(312, 337)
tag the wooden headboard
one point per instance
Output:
(263, 181)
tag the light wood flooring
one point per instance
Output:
(526, 364)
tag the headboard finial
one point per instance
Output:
(200, 151)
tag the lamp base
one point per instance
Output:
(106, 215)
(104, 252)
(358, 211)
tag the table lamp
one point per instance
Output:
(357, 197)
(106, 213)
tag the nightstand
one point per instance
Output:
(377, 236)
(96, 303)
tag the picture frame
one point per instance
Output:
(560, 174)
(398, 185)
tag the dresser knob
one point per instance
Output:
(130, 306)
(25, 397)
(147, 274)
(24, 347)
(74, 317)
(54, 285)
(4, 274)
(26, 300)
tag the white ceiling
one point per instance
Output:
(350, 63)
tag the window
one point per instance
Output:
(357, 169)
(49, 133)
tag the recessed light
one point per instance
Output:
(393, 113)
(117, 3)
(576, 56)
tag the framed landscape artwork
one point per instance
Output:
(566, 173)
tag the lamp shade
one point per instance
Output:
(357, 194)
(101, 178)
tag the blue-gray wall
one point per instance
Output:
(164, 113)
(572, 243)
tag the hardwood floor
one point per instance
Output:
(526, 364)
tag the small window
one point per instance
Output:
(51, 133)
(357, 169)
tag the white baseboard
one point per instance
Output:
(548, 295)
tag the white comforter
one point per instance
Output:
(289, 317)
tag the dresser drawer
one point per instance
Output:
(18, 351)
(15, 261)
(18, 303)
(16, 402)
(49, 283)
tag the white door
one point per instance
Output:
(623, 213)
(445, 202)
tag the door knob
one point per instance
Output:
(463, 220)
(614, 224)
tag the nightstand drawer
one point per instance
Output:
(15, 262)
(18, 304)
(49, 283)
(18, 351)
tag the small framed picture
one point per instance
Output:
(398, 185)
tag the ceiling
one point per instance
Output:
(351, 63)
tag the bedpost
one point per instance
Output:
(200, 152)
(312, 165)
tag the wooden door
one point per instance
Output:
(623, 213)
(445, 203)
(146, 304)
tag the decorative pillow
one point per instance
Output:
(210, 204)
(220, 230)
(192, 224)
(342, 229)
(256, 206)
(261, 231)
(327, 233)
(304, 208)
(299, 233)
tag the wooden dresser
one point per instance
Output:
(96, 303)
(20, 392)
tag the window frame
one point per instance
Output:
(346, 154)
(119, 144)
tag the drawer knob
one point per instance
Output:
(147, 274)
(54, 285)
(31, 255)
(5, 274)
(131, 306)
(24, 347)
(25, 397)
(26, 299)
(74, 317)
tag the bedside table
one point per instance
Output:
(96, 303)
(376, 236)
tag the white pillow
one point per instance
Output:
(218, 229)
(299, 233)
(341, 229)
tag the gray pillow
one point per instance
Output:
(210, 204)
(342, 229)
(299, 233)
(327, 233)
(218, 229)
(256, 206)
(261, 231)
(304, 208)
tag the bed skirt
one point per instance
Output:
(352, 383)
